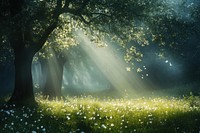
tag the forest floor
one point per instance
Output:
(87, 114)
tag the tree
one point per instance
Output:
(25, 47)
(30, 23)
(52, 68)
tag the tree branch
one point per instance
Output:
(51, 27)
(84, 20)
(45, 35)
(93, 18)
(101, 14)
(59, 10)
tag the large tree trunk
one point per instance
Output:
(23, 91)
(25, 47)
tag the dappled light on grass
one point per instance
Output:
(88, 114)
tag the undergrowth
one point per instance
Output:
(91, 115)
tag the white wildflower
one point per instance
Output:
(103, 126)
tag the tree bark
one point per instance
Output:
(23, 91)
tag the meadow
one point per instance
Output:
(87, 114)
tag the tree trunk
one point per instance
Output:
(23, 91)
(53, 68)
(25, 46)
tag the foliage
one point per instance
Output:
(88, 114)
(120, 20)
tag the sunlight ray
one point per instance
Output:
(54, 70)
(112, 68)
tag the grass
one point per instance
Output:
(91, 115)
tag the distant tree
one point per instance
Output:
(52, 70)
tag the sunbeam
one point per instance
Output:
(126, 83)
